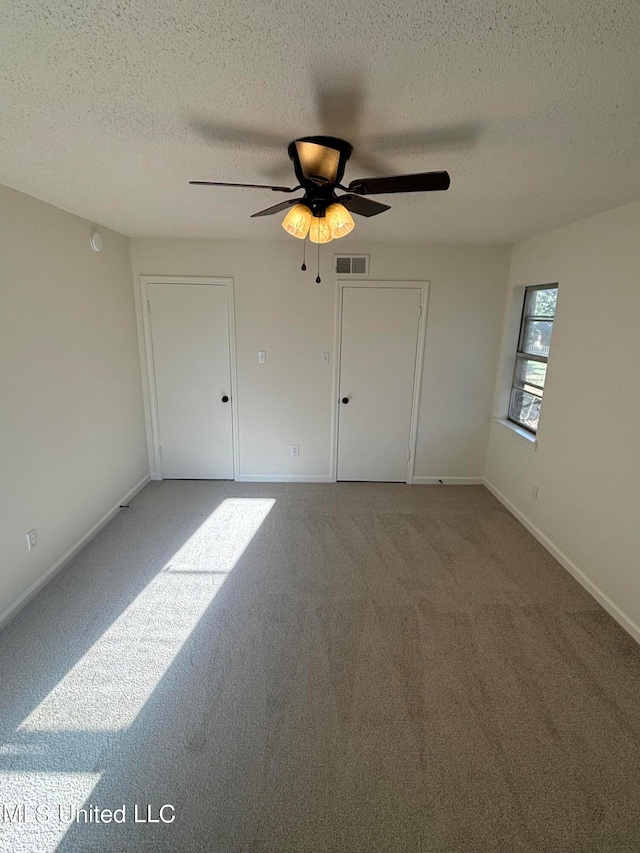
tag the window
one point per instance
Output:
(531, 358)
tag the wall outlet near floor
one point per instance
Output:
(295, 450)
(534, 492)
(31, 539)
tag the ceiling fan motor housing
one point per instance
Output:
(319, 159)
(319, 163)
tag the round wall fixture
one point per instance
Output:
(95, 241)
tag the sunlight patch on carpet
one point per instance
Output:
(55, 754)
(107, 688)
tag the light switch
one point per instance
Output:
(262, 357)
(325, 358)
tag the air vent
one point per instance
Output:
(351, 264)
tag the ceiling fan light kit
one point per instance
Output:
(340, 220)
(319, 231)
(297, 221)
(335, 223)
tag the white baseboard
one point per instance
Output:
(284, 478)
(602, 598)
(44, 579)
(327, 478)
(448, 481)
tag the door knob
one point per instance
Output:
(225, 399)
(345, 400)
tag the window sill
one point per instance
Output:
(524, 435)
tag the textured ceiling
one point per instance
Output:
(109, 108)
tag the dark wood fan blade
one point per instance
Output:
(268, 211)
(363, 206)
(421, 182)
(252, 186)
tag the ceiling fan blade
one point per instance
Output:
(251, 186)
(237, 134)
(268, 211)
(363, 206)
(460, 135)
(421, 182)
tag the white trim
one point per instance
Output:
(508, 347)
(284, 478)
(13, 609)
(518, 432)
(601, 597)
(448, 481)
(417, 378)
(144, 376)
(421, 285)
(149, 388)
(235, 418)
(337, 354)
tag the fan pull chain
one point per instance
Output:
(304, 253)
(318, 279)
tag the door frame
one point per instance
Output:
(149, 388)
(423, 287)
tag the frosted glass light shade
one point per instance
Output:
(318, 160)
(319, 232)
(340, 220)
(297, 221)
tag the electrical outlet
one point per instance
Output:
(534, 492)
(31, 539)
(295, 450)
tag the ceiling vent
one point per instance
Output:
(351, 264)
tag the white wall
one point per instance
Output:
(283, 311)
(587, 463)
(72, 435)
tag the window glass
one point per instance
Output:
(537, 337)
(534, 342)
(530, 372)
(544, 302)
(525, 408)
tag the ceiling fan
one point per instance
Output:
(319, 163)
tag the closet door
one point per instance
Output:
(191, 358)
(379, 341)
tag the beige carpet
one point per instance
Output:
(353, 667)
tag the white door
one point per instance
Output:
(379, 342)
(190, 341)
